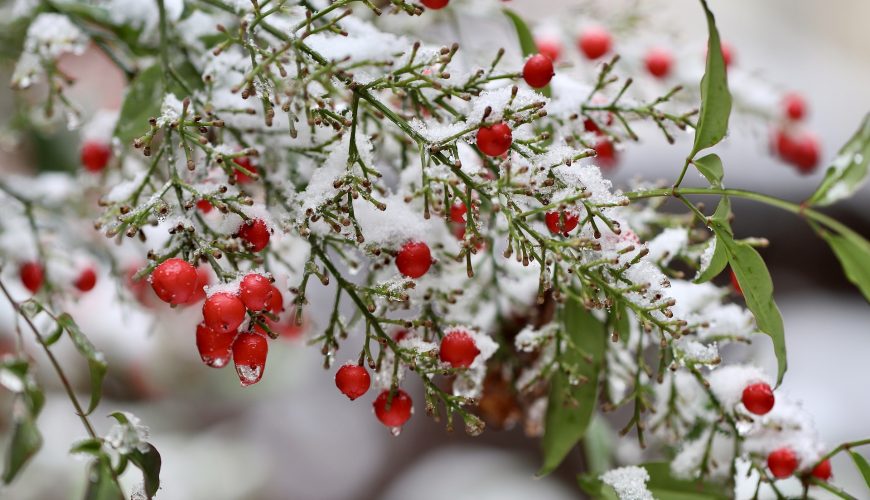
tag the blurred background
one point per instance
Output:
(294, 436)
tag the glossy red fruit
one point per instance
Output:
(174, 281)
(395, 411)
(782, 463)
(795, 106)
(549, 47)
(203, 279)
(822, 470)
(275, 305)
(215, 347)
(255, 290)
(223, 312)
(245, 163)
(255, 234)
(249, 356)
(352, 380)
(758, 398)
(538, 71)
(784, 145)
(95, 155)
(414, 259)
(605, 154)
(806, 153)
(204, 206)
(734, 282)
(86, 280)
(658, 62)
(435, 4)
(561, 222)
(494, 140)
(457, 212)
(458, 349)
(32, 276)
(594, 42)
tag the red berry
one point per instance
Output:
(735, 283)
(495, 140)
(458, 349)
(95, 156)
(245, 163)
(658, 62)
(174, 281)
(352, 380)
(806, 153)
(594, 42)
(758, 398)
(32, 276)
(395, 411)
(782, 463)
(784, 145)
(255, 291)
(727, 53)
(795, 106)
(139, 288)
(223, 312)
(435, 4)
(605, 154)
(86, 280)
(414, 259)
(561, 222)
(457, 212)
(549, 47)
(249, 356)
(401, 334)
(203, 279)
(275, 305)
(255, 233)
(204, 206)
(214, 346)
(538, 71)
(822, 470)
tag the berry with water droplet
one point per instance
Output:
(255, 291)
(223, 312)
(414, 259)
(249, 355)
(758, 398)
(395, 411)
(352, 380)
(458, 349)
(255, 233)
(494, 140)
(174, 281)
(215, 347)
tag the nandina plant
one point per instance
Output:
(458, 206)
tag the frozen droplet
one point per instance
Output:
(249, 375)
(395, 431)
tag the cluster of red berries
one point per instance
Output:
(758, 399)
(394, 408)
(794, 145)
(33, 276)
(218, 338)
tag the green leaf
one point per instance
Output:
(720, 257)
(854, 256)
(90, 446)
(570, 407)
(598, 446)
(145, 96)
(149, 463)
(663, 485)
(710, 167)
(715, 96)
(26, 441)
(527, 41)
(757, 287)
(102, 484)
(862, 465)
(593, 486)
(96, 361)
(848, 172)
(141, 103)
